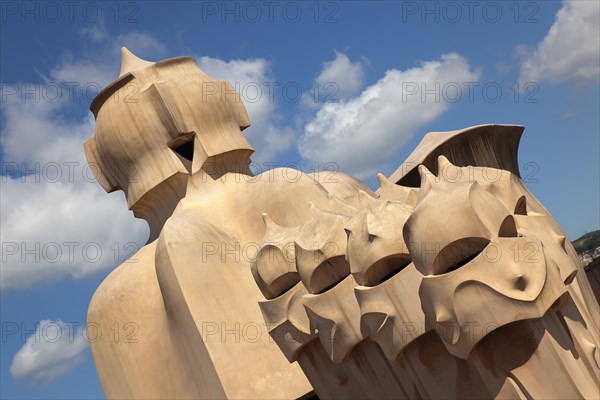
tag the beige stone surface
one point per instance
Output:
(190, 295)
(465, 284)
(450, 281)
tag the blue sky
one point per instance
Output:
(392, 69)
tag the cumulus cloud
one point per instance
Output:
(96, 32)
(56, 219)
(345, 74)
(53, 350)
(361, 133)
(570, 52)
(338, 79)
(254, 82)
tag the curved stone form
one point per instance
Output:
(288, 322)
(492, 146)
(532, 219)
(388, 190)
(476, 216)
(451, 281)
(274, 266)
(390, 312)
(320, 250)
(376, 248)
(172, 104)
(512, 277)
(489, 149)
(179, 155)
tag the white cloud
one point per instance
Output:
(346, 75)
(363, 132)
(570, 52)
(53, 350)
(56, 226)
(56, 218)
(55, 230)
(87, 73)
(253, 80)
(36, 129)
(96, 32)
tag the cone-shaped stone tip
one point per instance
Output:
(270, 225)
(130, 62)
(382, 179)
(443, 162)
(424, 172)
(265, 218)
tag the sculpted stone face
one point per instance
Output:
(320, 248)
(162, 119)
(376, 248)
(453, 221)
(480, 273)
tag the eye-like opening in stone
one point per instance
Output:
(186, 150)
(183, 146)
(458, 254)
(386, 268)
(329, 273)
(521, 206)
(508, 228)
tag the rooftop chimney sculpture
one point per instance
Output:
(451, 281)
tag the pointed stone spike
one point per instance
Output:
(386, 186)
(426, 182)
(267, 220)
(383, 180)
(442, 316)
(443, 166)
(443, 162)
(130, 62)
